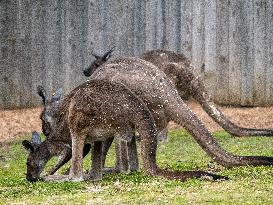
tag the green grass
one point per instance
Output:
(247, 185)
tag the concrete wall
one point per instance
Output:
(49, 42)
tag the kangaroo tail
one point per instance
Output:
(196, 88)
(184, 116)
(216, 114)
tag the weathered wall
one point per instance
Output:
(49, 42)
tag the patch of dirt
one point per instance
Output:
(18, 122)
(251, 117)
(15, 123)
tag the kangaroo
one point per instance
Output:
(99, 60)
(48, 117)
(161, 97)
(180, 70)
(94, 111)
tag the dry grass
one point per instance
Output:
(18, 122)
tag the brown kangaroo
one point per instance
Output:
(181, 72)
(162, 99)
(93, 112)
(48, 117)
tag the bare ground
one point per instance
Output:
(15, 123)
(18, 122)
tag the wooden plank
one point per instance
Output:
(76, 64)
(235, 19)
(151, 25)
(37, 38)
(67, 46)
(10, 84)
(14, 85)
(94, 29)
(177, 18)
(110, 18)
(198, 35)
(221, 94)
(79, 39)
(162, 13)
(139, 26)
(23, 49)
(260, 51)
(120, 27)
(3, 52)
(51, 44)
(59, 70)
(210, 45)
(186, 33)
(247, 65)
(84, 43)
(172, 22)
(269, 76)
(161, 24)
(269, 42)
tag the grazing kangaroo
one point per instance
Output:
(180, 70)
(49, 116)
(93, 112)
(162, 99)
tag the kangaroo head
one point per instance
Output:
(98, 62)
(37, 158)
(50, 110)
(184, 79)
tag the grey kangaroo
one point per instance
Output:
(181, 72)
(48, 117)
(93, 112)
(161, 97)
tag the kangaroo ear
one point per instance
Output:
(96, 56)
(57, 95)
(36, 138)
(28, 146)
(42, 93)
(108, 54)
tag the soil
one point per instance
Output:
(19, 122)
